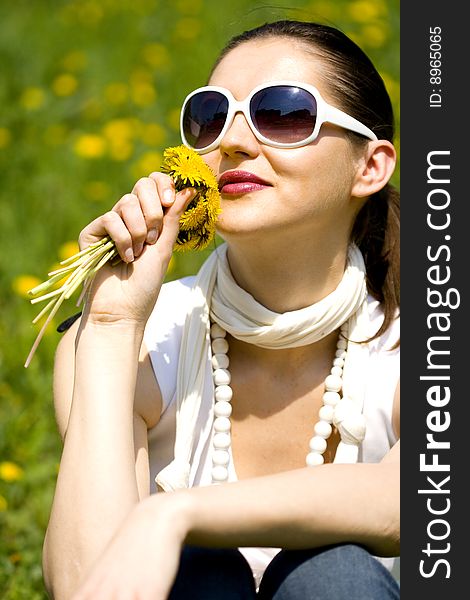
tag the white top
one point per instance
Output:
(163, 339)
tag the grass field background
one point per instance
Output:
(89, 97)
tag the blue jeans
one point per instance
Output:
(344, 572)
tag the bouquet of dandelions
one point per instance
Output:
(196, 231)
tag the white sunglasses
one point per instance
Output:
(283, 114)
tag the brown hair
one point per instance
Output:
(360, 91)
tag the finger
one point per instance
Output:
(146, 191)
(165, 188)
(110, 224)
(130, 211)
(172, 216)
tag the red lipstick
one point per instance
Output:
(241, 182)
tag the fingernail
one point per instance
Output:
(168, 196)
(152, 236)
(129, 255)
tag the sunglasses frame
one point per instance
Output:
(325, 114)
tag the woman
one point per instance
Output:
(303, 329)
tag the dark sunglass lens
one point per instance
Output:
(284, 114)
(204, 118)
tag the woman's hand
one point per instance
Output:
(142, 559)
(144, 225)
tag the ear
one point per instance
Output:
(375, 168)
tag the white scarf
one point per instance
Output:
(216, 295)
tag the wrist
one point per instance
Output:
(169, 512)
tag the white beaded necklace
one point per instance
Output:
(223, 409)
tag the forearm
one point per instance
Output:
(300, 509)
(96, 485)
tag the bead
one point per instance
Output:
(217, 331)
(337, 371)
(221, 457)
(331, 398)
(222, 409)
(222, 425)
(333, 383)
(342, 344)
(221, 377)
(314, 459)
(318, 444)
(223, 392)
(326, 413)
(222, 441)
(323, 429)
(219, 346)
(219, 473)
(220, 361)
(340, 353)
(338, 362)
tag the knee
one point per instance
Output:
(341, 572)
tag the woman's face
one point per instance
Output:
(309, 188)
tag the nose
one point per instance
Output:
(239, 139)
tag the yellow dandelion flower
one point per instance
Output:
(187, 28)
(156, 55)
(3, 504)
(374, 35)
(97, 190)
(15, 558)
(90, 146)
(153, 134)
(143, 94)
(116, 93)
(23, 283)
(5, 137)
(364, 11)
(197, 225)
(189, 7)
(64, 85)
(32, 98)
(10, 471)
(193, 217)
(74, 61)
(68, 249)
(173, 118)
(147, 163)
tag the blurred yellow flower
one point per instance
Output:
(68, 249)
(5, 137)
(187, 28)
(147, 163)
(14, 558)
(374, 35)
(23, 283)
(74, 61)
(3, 504)
(153, 134)
(10, 471)
(365, 11)
(189, 7)
(97, 190)
(32, 98)
(324, 9)
(116, 93)
(156, 55)
(90, 146)
(64, 85)
(119, 134)
(173, 118)
(143, 94)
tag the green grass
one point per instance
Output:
(89, 96)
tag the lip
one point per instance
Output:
(240, 182)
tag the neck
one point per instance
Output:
(288, 277)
